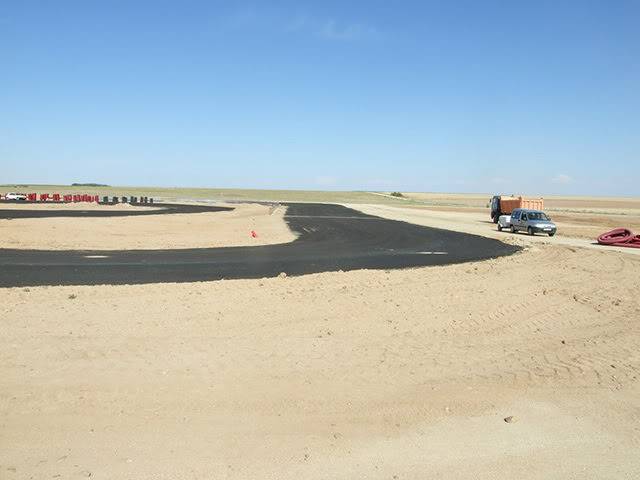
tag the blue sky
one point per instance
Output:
(534, 97)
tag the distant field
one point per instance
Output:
(213, 193)
(602, 205)
(453, 201)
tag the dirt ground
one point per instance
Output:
(402, 374)
(199, 230)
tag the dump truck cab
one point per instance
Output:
(495, 208)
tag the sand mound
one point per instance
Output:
(193, 230)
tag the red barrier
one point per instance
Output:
(67, 197)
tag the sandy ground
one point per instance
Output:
(368, 374)
(585, 225)
(193, 230)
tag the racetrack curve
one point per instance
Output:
(331, 238)
(146, 209)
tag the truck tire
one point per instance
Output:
(551, 234)
(513, 229)
(530, 231)
(499, 227)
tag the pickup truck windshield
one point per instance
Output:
(537, 216)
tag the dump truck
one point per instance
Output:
(504, 205)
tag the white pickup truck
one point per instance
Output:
(15, 196)
(504, 221)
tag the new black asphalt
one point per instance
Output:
(150, 209)
(331, 238)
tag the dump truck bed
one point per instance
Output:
(509, 204)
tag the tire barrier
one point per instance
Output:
(83, 197)
(57, 197)
(80, 197)
(620, 237)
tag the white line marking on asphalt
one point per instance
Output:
(431, 253)
(96, 256)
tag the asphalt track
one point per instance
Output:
(149, 209)
(331, 238)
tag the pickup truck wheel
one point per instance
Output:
(551, 234)
(499, 227)
(513, 229)
(530, 231)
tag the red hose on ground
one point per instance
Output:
(620, 237)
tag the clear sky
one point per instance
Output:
(509, 96)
